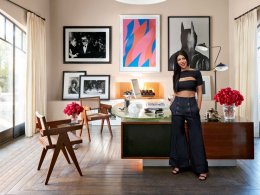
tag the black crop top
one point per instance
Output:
(189, 85)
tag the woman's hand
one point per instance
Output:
(171, 98)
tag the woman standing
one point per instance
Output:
(187, 151)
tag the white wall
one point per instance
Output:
(59, 13)
(106, 13)
(14, 13)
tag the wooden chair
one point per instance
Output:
(94, 110)
(57, 135)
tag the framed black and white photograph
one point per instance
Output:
(87, 44)
(70, 85)
(185, 33)
(206, 88)
(95, 85)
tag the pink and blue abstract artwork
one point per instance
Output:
(139, 47)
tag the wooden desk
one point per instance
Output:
(229, 140)
(148, 138)
(151, 139)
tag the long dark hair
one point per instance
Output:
(177, 68)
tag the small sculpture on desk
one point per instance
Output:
(212, 115)
(127, 95)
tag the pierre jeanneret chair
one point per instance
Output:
(57, 135)
(94, 110)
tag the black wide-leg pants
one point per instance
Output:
(187, 149)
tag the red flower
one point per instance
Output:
(229, 96)
(73, 108)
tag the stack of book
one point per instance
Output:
(155, 105)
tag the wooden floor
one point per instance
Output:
(105, 173)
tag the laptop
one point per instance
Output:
(135, 88)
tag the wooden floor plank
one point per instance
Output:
(104, 172)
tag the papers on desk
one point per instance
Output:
(155, 105)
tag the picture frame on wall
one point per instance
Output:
(70, 84)
(206, 88)
(140, 43)
(95, 85)
(185, 33)
(87, 44)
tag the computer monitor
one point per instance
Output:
(135, 88)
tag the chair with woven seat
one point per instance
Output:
(57, 135)
(94, 110)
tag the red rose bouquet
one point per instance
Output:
(229, 97)
(73, 108)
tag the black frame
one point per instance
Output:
(99, 47)
(65, 84)
(201, 28)
(15, 130)
(96, 90)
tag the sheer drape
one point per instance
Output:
(36, 71)
(246, 66)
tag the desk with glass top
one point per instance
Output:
(148, 137)
(123, 113)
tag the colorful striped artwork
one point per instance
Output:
(140, 44)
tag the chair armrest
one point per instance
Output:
(104, 108)
(86, 108)
(62, 129)
(54, 124)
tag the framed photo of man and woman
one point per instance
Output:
(70, 85)
(95, 85)
(87, 44)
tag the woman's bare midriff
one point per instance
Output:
(185, 94)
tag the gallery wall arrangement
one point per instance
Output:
(86, 45)
(139, 50)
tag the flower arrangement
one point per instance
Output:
(229, 97)
(72, 109)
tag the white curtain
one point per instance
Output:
(246, 66)
(36, 98)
